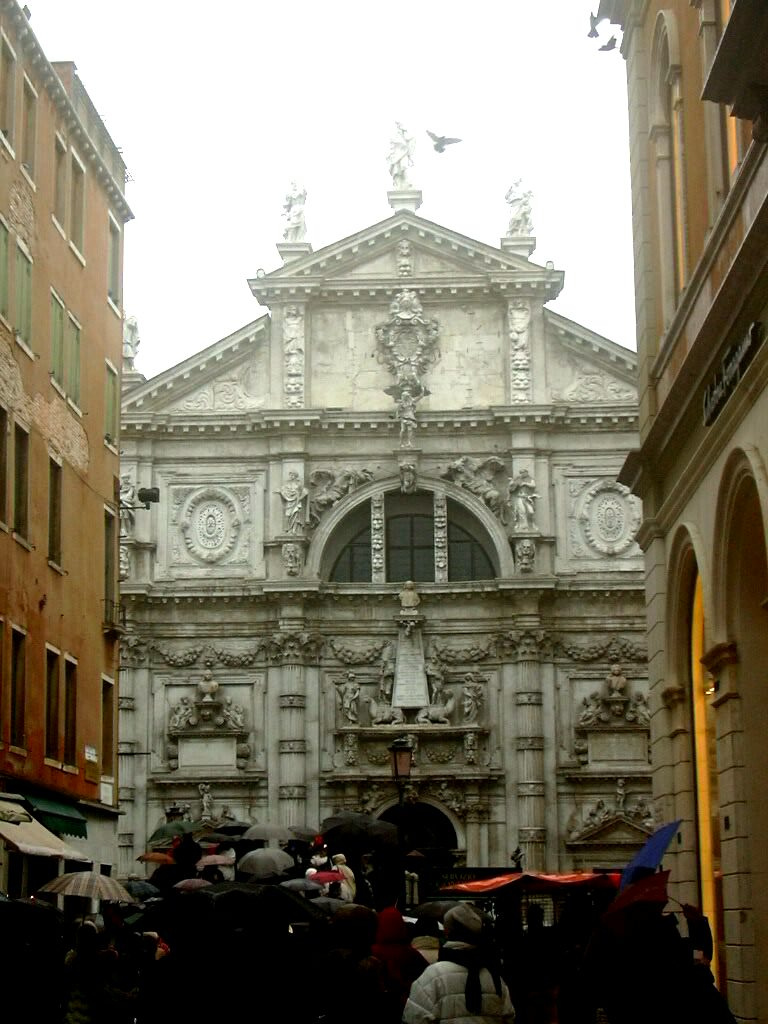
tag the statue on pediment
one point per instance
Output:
(293, 213)
(400, 159)
(131, 341)
(520, 214)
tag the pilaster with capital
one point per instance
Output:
(531, 803)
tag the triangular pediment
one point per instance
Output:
(229, 375)
(618, 830)
(585, 367)
(404, 248)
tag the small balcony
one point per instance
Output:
(113, 618)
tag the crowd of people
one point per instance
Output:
(232, 949)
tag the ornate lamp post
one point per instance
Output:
(402, 761)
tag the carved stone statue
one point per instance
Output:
(639, 711)
(472, 697)
(293, 212)
(294, 494)
(522, 501)
(292, 559)
(409, 597)
(438, 714)
(406, 413)
(404, 264)
(400, 158)
(435, 679)
(525, 554)
(387, 671)
(349, 693)
(127, 501)
(207, 687)
(327, 487)
(479, 478)
(182, 715)
(206, 802)
(233, 714)
(520, 216)
(131, 341)
(621, 795)
(385, 714)
(616, 682)
(593, 710)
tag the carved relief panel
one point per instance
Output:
(601, 520)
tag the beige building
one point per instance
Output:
(408, 410)
(62, 214)
(700, 200)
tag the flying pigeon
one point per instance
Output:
(441, 141)
(610, 45)
(594, 21)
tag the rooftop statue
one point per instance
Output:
(519, 202)
(293, 213)
(400, 158)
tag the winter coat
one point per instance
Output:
(439, 995)
(393, 947)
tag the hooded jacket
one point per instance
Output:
(439, 994)
(402, 962)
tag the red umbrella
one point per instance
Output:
(651, 889)
(191, 884)
(156, 857)
(326, 877)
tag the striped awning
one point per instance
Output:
(32, 838)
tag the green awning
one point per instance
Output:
(63, 819)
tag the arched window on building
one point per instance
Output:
(421, 537)
(666, 134)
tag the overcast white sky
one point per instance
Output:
(218, 107)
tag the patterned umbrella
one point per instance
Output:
(191, 884)
(90, 884)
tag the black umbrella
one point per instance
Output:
(141, 889)
(435, 909)
(353, 828)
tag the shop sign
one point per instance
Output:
(725, 380)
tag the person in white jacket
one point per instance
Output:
(465, 985)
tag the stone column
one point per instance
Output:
(291, 650)
(532, 831)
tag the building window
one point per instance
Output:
(72, 359)
(70, 711)
(20, 480)
(60, 182)
(52, 704)
(113, 262)
(7, 90)
(110, 575)
(54, 511)
(409, 545)
(57, 340)
(107, 728)
(5, 292)
(4, 429)
(77, 204)
(18, 686)
(28, 128)
(23, 297)
(111, 405)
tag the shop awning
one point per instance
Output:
(536, 880)
(32, 838)
(61, 818)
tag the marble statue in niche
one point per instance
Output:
(294, 495)
(522, 501)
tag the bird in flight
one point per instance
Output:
(441, 141)
(594, 21)
(610, 45)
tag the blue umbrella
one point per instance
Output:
(650, 857)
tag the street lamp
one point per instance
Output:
(401, 752)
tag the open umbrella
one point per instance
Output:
(164, 833)
(216, 860)
(191, 884)
(351, 827)
(141, 889)
(156, 857)
(263, 863)
(326, 877)
(302, 885)
(435, 909)
(90, 884)
(649, 858)
(267, 831)
(651, 889)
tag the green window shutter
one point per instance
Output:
(57, 341)
(73, 362)
(4, 296)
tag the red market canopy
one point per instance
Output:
(537, 880)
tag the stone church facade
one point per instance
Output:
(389, 508)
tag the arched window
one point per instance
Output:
(413, 542)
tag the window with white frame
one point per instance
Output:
(111, 404)
(23, 311)
(77, 203)
(70, 711)
(28, 127)
(52, 702)
(107, 727)
(72, 358)
(20, 480)
(7, 89)
(113, 262)
(60, 181)
(5, 267)
(54, 510)
(18, 682)
(57, 339)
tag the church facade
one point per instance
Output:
(389, 508)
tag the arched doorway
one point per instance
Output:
(424, 828)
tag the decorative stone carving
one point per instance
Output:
(520, 215)
(480, 478)
(207, 687)
(522, 502)
(182, 715)
(233, 714)
(440, 506)
(127, 506)
(525, 554)
(461, 653)
(294, 495)
(292, 558)
(236, 659)
(409, 597)
(377, 538)
(133, 650)
(206, 802)
(639, 710)
(349, 746)
(438, 714)
(293, 357)
(298, 646)
(441, 754)
(593, 385)
(473, 696)
(610, 649)
(384, 714)
(406, 414)
(387, 671)
(616, 683)
(400, 158)
(178, 659)
(125, 561)
(526, 644)
(518, 320)
(593, 711)
(470, 747)
(211, 524)
(407, 478)
(605, 517)
(131, 342)
(328, 487)
(404, 263)
(407, 345)
(293, 214)
(357, 652)
(348, 695)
